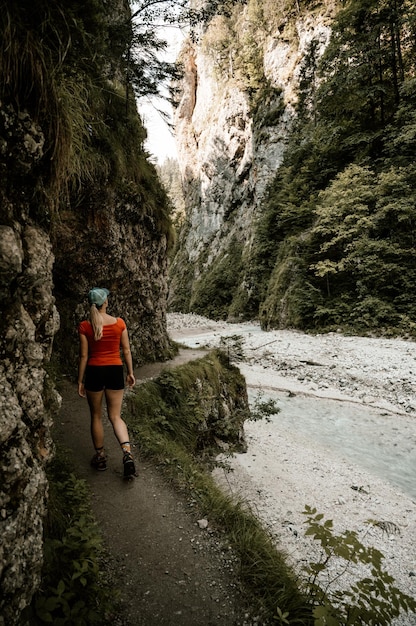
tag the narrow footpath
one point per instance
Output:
(168, 570)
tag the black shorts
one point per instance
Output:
(99, 377)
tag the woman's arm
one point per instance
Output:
(82, 363)
(125, 346)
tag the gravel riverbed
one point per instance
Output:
(343, 441)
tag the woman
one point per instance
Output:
(101, 365)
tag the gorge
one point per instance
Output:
(296, 131)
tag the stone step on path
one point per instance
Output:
(168, 570)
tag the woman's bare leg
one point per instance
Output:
(114, 399)
(95, 399)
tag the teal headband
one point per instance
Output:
(98, 296)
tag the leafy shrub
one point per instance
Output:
(213, 293)
(263, 408)
(199, 404)
(372, 601)
(72, 590)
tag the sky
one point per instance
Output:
(160, 140)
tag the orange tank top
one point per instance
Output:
(105, 351)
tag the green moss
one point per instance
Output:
(197, 403)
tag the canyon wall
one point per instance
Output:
(235, 112)
(80, 206)
(29, 321)
(295, 128)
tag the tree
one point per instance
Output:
(362, 71)
(149, 74)
(365, 239)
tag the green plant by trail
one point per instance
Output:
(371, 601)
(73, 589)
(168, 418)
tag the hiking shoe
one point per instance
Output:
(128, 463)
(99, 462)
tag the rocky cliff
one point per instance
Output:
(28, 400)
(235, 113)
(295, 126)
(29, 321)
(79, 206)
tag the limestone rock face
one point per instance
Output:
(228, 149)
(107, 242)
(29, 321)
(45, 275)
(66, 225)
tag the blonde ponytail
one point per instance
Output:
(96, 322)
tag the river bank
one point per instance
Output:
(343, 441)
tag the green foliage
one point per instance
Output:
(287, 212)
(73, 591)
(67, 64)
(280, 617)
(190, 404)
(267, 107)
(366, 51)
(400, 137)
(364, 234)
(292, 298)
(263, 408)
(372, 601)
(213, 293)
(335, 242)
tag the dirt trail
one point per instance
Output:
(169, 571)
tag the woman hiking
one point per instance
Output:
(100, 374)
